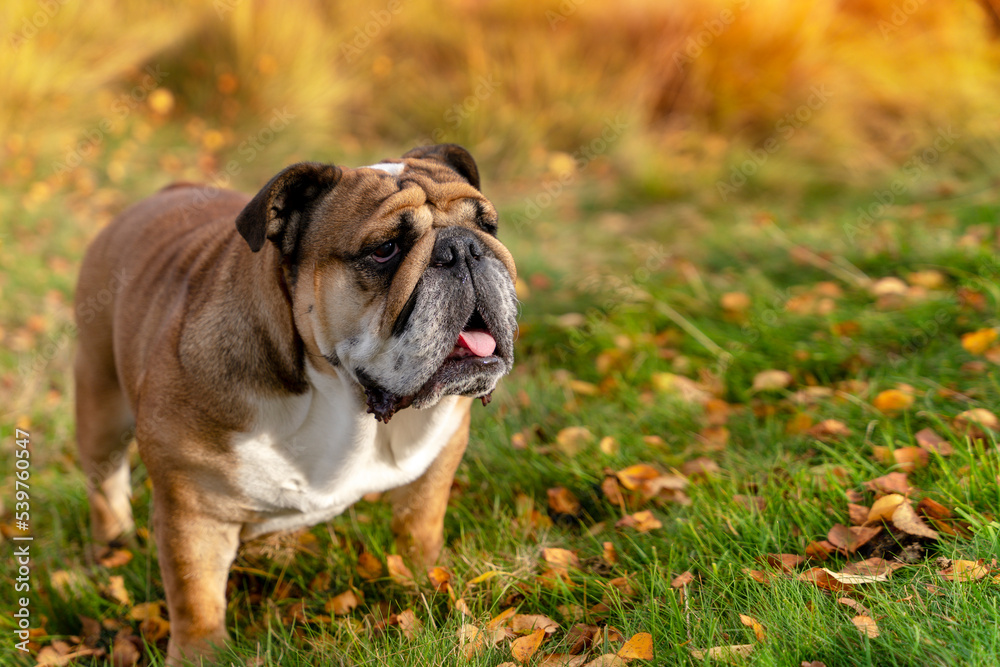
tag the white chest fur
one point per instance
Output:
(309, 457)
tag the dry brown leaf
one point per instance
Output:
(714, 438)
(872, 567)
(850, 538)
(932, 442)
(866, 626)
(398, 570)
(820, 550)
(829, 429)
(968, 421)
(643, 521)
(771, 380)
(560, 560)
(342, 604)
(608, 554)
(856, 579)
(858, 514)
(784, 562)
(462, 607)
(472, 639)
(700, 467)
(634, 477)
(685, 389)
(562, 501)
(606, 660)
(822, 578)
(440, 579)
(894, 482)
(523, 623)
(910, 458)
(906, 520)
(855, 605)
(638, 647)
(682, 580)
(115, 558)
(758, 575)
(369, 567)
(154, 628)
(116, 591)
(611, 489)
(501, 619)
(725, 653)
(754, 624)
(524, 647)
(736, 302)
(408, 623)
(572, 439)
(561, 660)
(144, 610)
(933, 510)
(965, 570)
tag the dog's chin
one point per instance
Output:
(460, 374)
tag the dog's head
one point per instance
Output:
(395, 274)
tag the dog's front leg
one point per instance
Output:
(195, 553)
(418, 508)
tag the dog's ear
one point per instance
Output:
(279, 210)
(451, 155)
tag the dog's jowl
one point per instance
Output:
(281, 356)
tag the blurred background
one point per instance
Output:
(662, 99)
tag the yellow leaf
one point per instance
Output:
(485, 576)
(500, 619)
(398, 570)
(866, 625)
(965, 570)
(571, 439)
(639, 647)
(560, 559)
(369, 567)
(145, 610)
(754, 624)
(883, 508)
(115, 590)
(643, 522)
(736, 302)
(440, 579)
(892, 401)
(633, 477)
(977, 342)
(530, 622)
(523, 648)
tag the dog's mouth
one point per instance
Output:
(472, 354)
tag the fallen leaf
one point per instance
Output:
(850, 538)
(857, 513)
(572, 439)
(154, 628)
(523, 623)
(560, 560)
(369, 567)
(398, 570)
(643, 521)
(872, 567)
(116, 591)
(608, 554)
(639, 647)
(771, 380)
(751, 503)
(524, 647)
(977, 342)
(725, 653)
(855, 605)
(910, 458)
(561, 660)
(501, 619)
(968, 421)
(471, 638)
(823, 579)
(608, 445)
(613, 492)
(758, 575)
(856, 579)
(892, 401)
(408, 623)
(829, 429)
(906, 520)
(894, 482)
(682, 580)
(754, 624)
(115, 558)
(933, 510)
(866, 626)
(736, 302)
(784, 562)
(562, 501)
(700, 467)
(144, 610)
(965, 570)
(342, 604)
(440, 579)
(820, 550)
(633, 477)
(685, 389)
(883, 508)
(932, 442)
(606, 660)
(124, 653)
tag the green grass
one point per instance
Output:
(616, 272)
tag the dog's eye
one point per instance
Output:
(386, 251)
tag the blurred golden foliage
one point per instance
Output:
(852, 88)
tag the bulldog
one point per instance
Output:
(279, 357)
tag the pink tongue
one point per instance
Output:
(480, 343)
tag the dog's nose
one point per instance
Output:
(456, 248)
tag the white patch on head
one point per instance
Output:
(394, 168)
(310, 457)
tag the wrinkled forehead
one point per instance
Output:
(370, 203)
